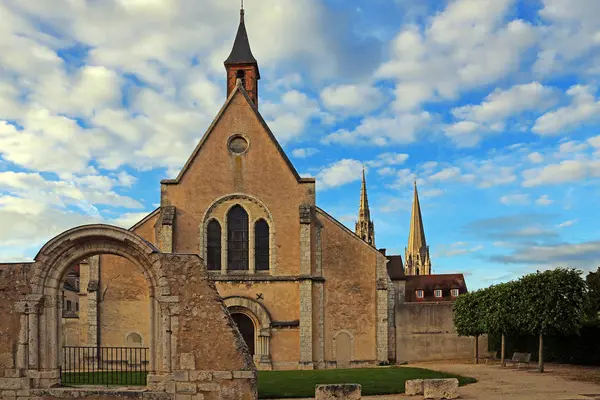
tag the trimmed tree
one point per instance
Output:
(468, 321)
(501, 314)
(551, 302)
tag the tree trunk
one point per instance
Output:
(502, 352)
(541, 354)
(476, 349)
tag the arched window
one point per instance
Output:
(241, 74)
(237, 239)
(134, 340)
(213, 246)
(261, 245)
(417, 271)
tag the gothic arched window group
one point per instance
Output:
(238, 242)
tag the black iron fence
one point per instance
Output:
(104, 365)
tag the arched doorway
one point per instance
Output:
(246, 327)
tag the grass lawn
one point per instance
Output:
(129, 378)
(291, 384)
(374, 381)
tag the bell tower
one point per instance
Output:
(241, 64)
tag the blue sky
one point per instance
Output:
(492, 106)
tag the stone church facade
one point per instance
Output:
(305, 291)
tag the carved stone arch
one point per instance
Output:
(43, 306)
(262, 319)
(338, 357)
(255, 209)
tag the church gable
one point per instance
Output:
(240, 116)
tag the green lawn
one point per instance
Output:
(374, 381)
(292, 384)
(129, 378)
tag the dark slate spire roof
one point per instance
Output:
(241, 53)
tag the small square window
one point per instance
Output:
(454, 292)
(68, 305)
(420, 294)
(438, 292)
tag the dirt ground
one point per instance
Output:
(558, 382)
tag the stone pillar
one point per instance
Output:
(319, 306)
(93, 339)
(167, 219)
(33, 335)
(21, 362)
(382, 309)
(306, 306)
(224, 246)
(251, 259)
(167, 332)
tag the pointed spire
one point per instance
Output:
(417, 253)
(416, 236)
(241, 53)
(364, 226)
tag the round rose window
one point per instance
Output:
(238, 144)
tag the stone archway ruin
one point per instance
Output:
(179, 351)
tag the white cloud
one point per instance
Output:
(450, 173)
(567, 171)
(535, 157)
(381, 131)
(304, 152)
(339, 173)
(515, 199)
(388, 159)
(583, 108)
(458, 249)
(431, 192)
(567, 223)
(501, 104)
(352, 99)
(544, 200)
(468, 44)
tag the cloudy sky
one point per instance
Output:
(493, 106)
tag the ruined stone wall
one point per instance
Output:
(350, 272)
(425, 331)
(14, 284)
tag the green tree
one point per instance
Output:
(501, 311)
(551, 302)
(593, 283)
(468, 320)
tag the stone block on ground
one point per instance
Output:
(440, 388)
(413, 387)
(346, 391)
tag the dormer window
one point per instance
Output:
(438, 293)
(420, 294)
(454, 292)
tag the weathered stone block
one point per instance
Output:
(181, 376)
(243, 374)
(187, 361)
(413, 387)
(440, 388)
(347, 391)
(10, 383)
(222, 375)
(186, 388)
(201, 376)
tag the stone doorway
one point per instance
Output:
(246, 327)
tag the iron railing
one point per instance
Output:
(104, 365)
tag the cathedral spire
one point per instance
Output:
(241, 63)
(417, 253)
(364, 226)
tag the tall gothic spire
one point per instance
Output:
(364, 226)
(241, 63)
(417, 253)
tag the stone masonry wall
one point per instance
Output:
(425, 331)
